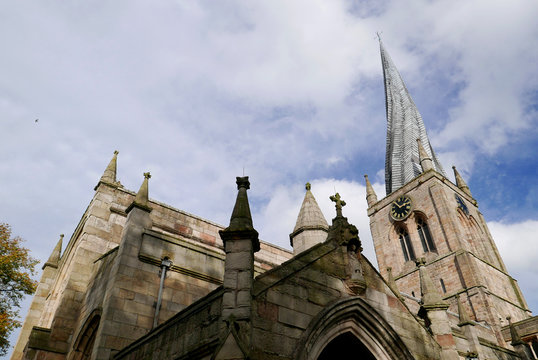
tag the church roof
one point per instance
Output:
(404, 127)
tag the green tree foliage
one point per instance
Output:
(16, 268)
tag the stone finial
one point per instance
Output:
(241, 219)
(339, 204)
(141, 199)
(425, 160)
(54, 257)
(311, 226)
(431, 299)
(109, 175)
(392, 283)
(371, 196)
(460, 182)
(464, 317)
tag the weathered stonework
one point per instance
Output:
(141, 280)
(112, 269)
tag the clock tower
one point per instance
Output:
(426, 215)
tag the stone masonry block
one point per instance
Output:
(293, 318)
(238, 261)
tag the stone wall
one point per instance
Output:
(466, 258)
(83, 282)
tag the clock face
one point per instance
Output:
(401, 208)
(461, 205)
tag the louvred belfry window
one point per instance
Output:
(405, 242)
(425, 236)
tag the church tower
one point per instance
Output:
(425, 215)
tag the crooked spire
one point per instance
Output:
(404, 127)
(311, 226)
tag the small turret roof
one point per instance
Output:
(310, 215)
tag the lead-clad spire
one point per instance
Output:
(404, 127)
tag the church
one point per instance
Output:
(139, 279)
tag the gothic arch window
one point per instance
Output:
(405, 243)
(425, 236)
(86, 338)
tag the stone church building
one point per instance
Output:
(139, 279)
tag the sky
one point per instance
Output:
(285, 92)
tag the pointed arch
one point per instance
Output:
(83, 345)
(354, 320)
(405, 243)
(423, 229)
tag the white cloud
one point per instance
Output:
(197, 91)
(518, 245)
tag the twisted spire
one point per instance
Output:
(404, 126)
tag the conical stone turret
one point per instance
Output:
(311, 226)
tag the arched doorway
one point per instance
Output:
(350, 329)
(346, 347)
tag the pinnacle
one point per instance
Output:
(371, 196)
(516, 339)
(430, 296)
(460, 182)
(54, 257)
(142, 198)
(109, 175)
(241, 219)
(424, 159)
(464, 317)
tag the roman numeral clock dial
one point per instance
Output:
(401, 208)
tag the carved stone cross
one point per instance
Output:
(339, 203)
